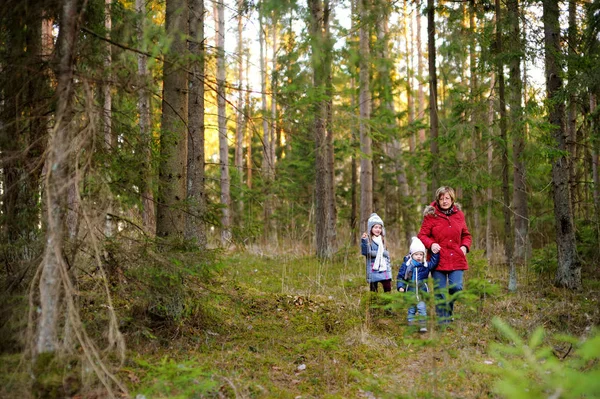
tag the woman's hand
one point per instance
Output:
(365, 235)
(435, 248)
(464, 249)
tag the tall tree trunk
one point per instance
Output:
(273, 130)
(107, 108)
(572, 104)
(521, 213)
(57, 178)
(239, 127)
(568, 274)
(195, 228)
(364, 100)
(595, 128)
(240, 116)
(267, 162)
(489, 242)
(321, 59)
(354, 216)
(148, 174)
(248, 108)
(421, 109)
(433, 93)
(223, 143)
(508, 243)
(410, 102)
(476, 120)
(173, 141)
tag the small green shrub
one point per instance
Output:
(544, 261)
(532, 369)
(176, 380)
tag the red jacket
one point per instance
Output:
(450, 232)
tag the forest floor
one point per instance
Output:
(289, 326)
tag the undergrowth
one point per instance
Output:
(245, 325)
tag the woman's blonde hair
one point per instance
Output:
(445, 190)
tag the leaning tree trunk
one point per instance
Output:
(568, 274)
(364, 99)
(433, 93)
(173, 140)
(195, 229)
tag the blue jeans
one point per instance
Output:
(453, 280)
(421, 309)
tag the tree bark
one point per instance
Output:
(107, 108)
(321, 59)
(364, 99)
(433, 93)
(148, 175)
(222, 121)
(421, 108)
(572, 103)
(521, 213)
(267, 161)
(239, 127)
(489, 241)
(196, 193)
(57, 179)
(508, 243)
(568, 274)
(173, 141)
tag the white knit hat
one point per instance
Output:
(373, 220)
(416, 245)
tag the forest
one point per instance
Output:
(184, 185)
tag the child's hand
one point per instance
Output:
(401, 289)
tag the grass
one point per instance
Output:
(289, 326)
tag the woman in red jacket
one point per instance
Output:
(444, 231)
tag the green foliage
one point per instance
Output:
(544, 261)
(174, 379)
(163, 289)
(532, 369)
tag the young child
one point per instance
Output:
(379, 267)
(412, 277)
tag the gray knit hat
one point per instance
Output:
(373, 220)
